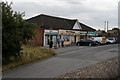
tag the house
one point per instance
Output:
(115, 32)
(101, 33)
(69, 30)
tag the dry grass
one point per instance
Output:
(29, 54)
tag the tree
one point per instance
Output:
(15, 32)
(115, 29)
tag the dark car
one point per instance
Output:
(86, 42)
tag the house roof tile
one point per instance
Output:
(47, 21)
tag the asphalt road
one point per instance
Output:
(67, 60)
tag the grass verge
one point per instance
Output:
(29, 54)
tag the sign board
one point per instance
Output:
(92, 33)
(47, 31)
(83, 32)
(51, 32)
(69, 32)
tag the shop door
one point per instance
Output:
(54, 39)
(46, 40)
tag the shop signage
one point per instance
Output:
(54, 31)
(83, 32)
(92, 33)
(69, 32)
(51, 32)
(47, 31)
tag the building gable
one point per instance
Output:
(77, 25)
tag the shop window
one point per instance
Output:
(66, 38)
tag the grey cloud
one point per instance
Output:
(72, 9)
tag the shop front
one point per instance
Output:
(92, 34)
(83, 35)
(50, 35)
(69, 36)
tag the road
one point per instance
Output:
(67, 60)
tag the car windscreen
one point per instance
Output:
(110, 38)
(87, 40)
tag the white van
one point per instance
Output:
(99, 40)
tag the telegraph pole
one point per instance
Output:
(105, 26)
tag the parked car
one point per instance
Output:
(86, 42)
(111, 40)
(99, 40)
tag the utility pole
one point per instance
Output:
(107, 25)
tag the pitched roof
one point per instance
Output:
(86, 28)
(52, 22)
(47, 21)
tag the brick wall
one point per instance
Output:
(39, 38)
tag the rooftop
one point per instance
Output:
(47, 21)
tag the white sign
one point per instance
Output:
(69, 32)
(51, 31)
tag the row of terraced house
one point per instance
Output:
(69, 30)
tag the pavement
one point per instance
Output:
(67, 60)
(68, 48)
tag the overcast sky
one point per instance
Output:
(91, 12)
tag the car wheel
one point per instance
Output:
(99, 43)
(90, 44)
(79, 44)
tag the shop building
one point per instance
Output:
(71, 31)
(69, 36)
